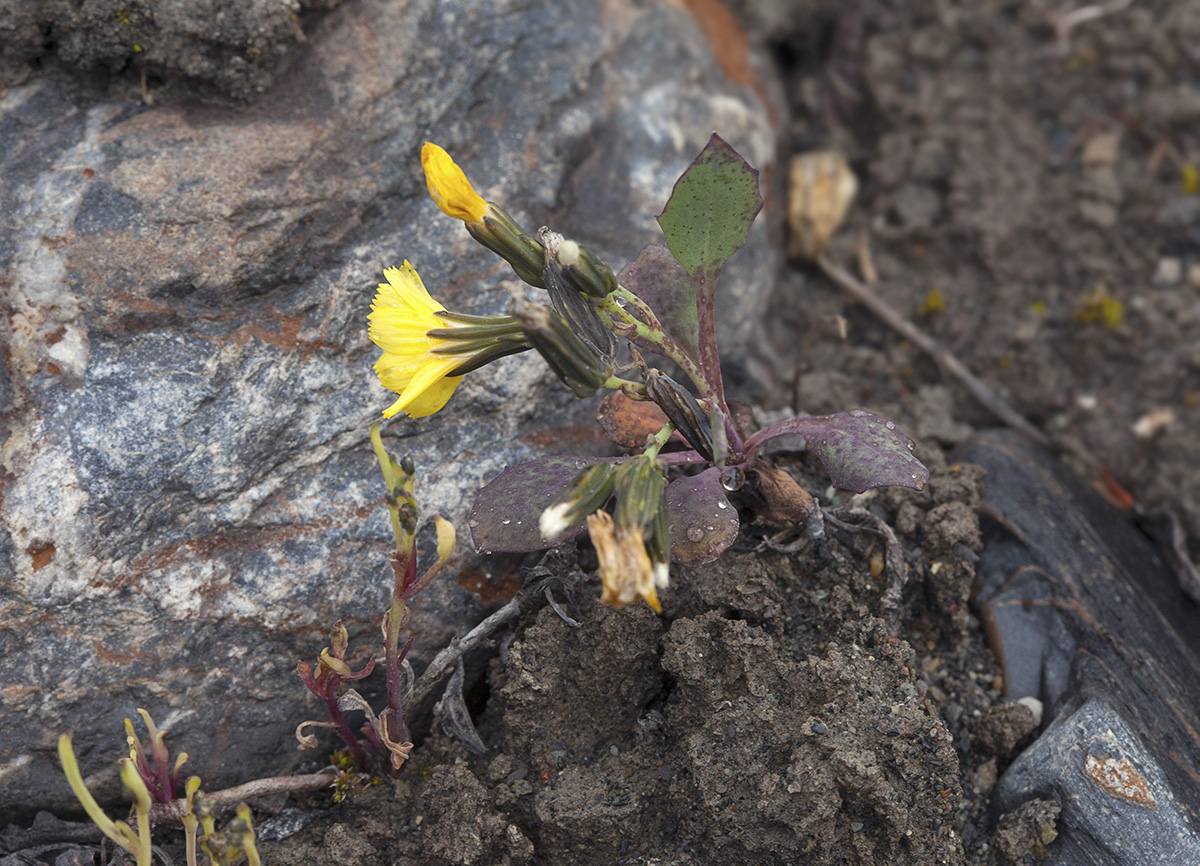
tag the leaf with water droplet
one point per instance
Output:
(858, 449)
(693, 508)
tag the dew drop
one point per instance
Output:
(722, 505)
(733, 478)
(709, 528)
(506, 521)
(695, 533)
(472, 523)
(858, 413)
(891, 425)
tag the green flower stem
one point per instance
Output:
(659, 440)
(389, 478)
(137, 844)
(616, 383)
(651, 331)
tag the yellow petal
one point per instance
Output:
(449, 187)
(425, 402)
(405, 291)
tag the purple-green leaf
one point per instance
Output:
(703, 523)
(860, 450)
(659, 280)
(504, 518)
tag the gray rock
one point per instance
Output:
(189, 497)
(234, 47)
(1117, 804)
(1083, 614)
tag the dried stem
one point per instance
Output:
(161, 813)
(861, 520)
(949, 364)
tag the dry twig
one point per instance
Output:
(949, 364)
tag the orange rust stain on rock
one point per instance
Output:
(122, 658)
(286, 337)
(1120, 778)
(18, 691)
(726, 38)
(41, 552)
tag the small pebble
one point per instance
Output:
(1168, 272)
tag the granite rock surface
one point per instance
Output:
(189, 497)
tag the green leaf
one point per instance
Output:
(705, 222)
(711, 209)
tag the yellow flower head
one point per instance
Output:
(401, 316)
(449, 187)
(423, 344)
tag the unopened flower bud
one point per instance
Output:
(639, 485)
(682, 410)
(504, 236)
(570, 359)
(590, 490)
(584, 271)
(568, 301)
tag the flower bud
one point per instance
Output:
(504, 236)
(570, 359)
(449, 187)
(589, 492)
(569, 303)
(681, 409)
(584, 271)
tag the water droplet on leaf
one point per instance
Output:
(733, 478)
(695, 533)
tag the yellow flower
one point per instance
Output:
(426, 350)
(401, 317)
(449, 187)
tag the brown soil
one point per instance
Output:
(766, 715)
(1047, 192)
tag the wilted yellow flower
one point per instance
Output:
(427, 349)
(449, 187)
(625, 569)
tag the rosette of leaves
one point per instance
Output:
(664, 304)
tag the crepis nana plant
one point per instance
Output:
(670, 500)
